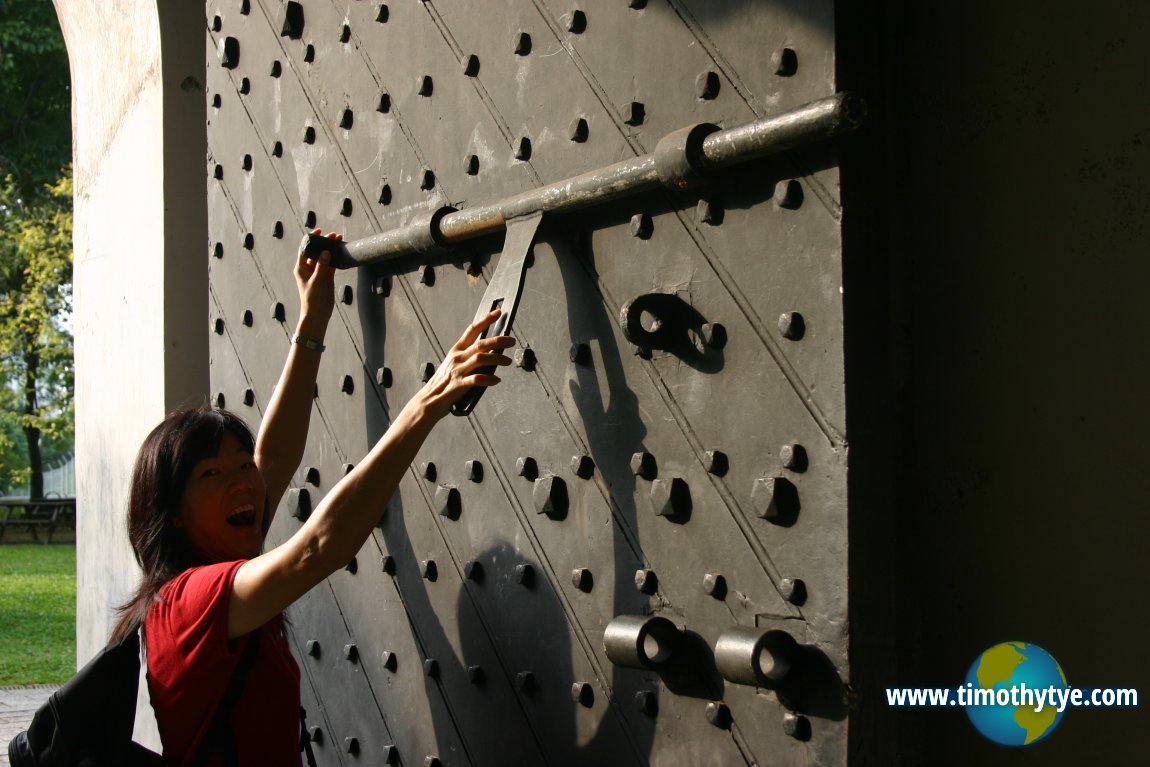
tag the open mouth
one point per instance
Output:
(243, 517)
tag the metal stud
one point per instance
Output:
(426, 180)
(637, 4)
(471, 65)
(249, 318)
(278, 149)
(719, 715)
(309, 138)
(345, 34)
(229, 53)
(246, 163)
(389, 661)
(245, 7)
(217, 102)
(218, 250)
(707, 85)
(382, 14)
(345, 208)
(525, 681)
(670, 497)
(523, 148)
(428, 570)
(351, 653)
(218, 172)
(581, 579)
(351, 746)
(525, 575)
(785, 61)
(471, 165)
(794, 590)
(526, 467)
(525, 358)
(346, 119)
(278, 230)
(643, 465)
(302, 508)
(432, 761)
(713, 335)
(473, 570)
(387, 564)
(428, 471)
(426, 86)
(642, 226)
(715, 585)
(447, 502)
(426, 371)
(788, 194)
(293, 20)
(473, 470)
(313, 648)
(384, 104)
(583, 694)
(582, 466)
(277, 69)
(579, 130)
(218, 326)
(383, 377)
(646, 581)
(476, 676)
(381, 286)
(550, 496)
(775, 499)
(245, 86)
(249, 397)
(522, 43)
(249, 241)
(217, 23)
(794, 457)
(309, 53)
(715, 462)
(315, 735)
(427, 275)
(576, 22)
(431, 668)
(385, 198)
(311, 476)
(580, 353)
(792, 326)
(347, 386)
(646, 702)
(634, 113)
(352, 567)
(796, 725)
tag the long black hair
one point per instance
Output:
(159, 477)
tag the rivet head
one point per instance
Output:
(432, 761)
(352, 566)
(643, 465)
(718, 714)
(311, 476)
(581, 579)
(715, 462)
(794, 457)
(346, 119)
(428, 471)
(427, 275)
(471, 165)
(302, 508)
(775, 499)
(427, 180)
(789, 194)
(390, 662)
(525, 358)
(425, 86)
(277, 69)
(633, 113)
(431, 668)
(705, 212)
(474, 470)
(579, 353)
(293, 20)
(792, 326)
(637, 4)
(447, 501)
(473, 571)
(351, 653)
(582, 466)
(578, 131)
(582, 694)
(313, 648)
(524, 574)
(796, 725)
(426, 371)
(715, 585)
(646, 702)
(387, 564)
(476, 676)
(642, 226)
(713, 335)
(381, 286)
(383, 377)
(785, 62)
(522, 44)
(428, 570)
(390, 753)
(345, 34)
(347, 386)
(470, 65)
(707, 85)
(550, 496)
(278, 230)
(229, 53)
(525, 681)
(646, 581)
(315, 735)
(351, 745)
(218, 326)
(670, 497)
(523, 148)
(526, 467)
(382, 16)
(345, 208)
(309, 53)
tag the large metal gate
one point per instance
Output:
(692, 468)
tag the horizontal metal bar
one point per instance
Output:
(807, 124)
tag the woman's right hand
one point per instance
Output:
(459, 370)
(315, 280)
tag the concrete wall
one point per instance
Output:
(140, 272)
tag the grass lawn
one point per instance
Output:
(37, 613)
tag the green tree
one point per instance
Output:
(35, 240)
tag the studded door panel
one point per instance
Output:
(701, 481)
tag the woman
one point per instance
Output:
(201, 500)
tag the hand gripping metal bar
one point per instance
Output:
(681, 159)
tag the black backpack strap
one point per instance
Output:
(220, 734)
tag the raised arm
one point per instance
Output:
(283, 433)
(336, 530)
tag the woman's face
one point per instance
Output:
(222, 509)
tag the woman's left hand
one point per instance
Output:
(315, 280)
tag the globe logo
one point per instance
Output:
(1010, 666)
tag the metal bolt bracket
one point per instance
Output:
(641, 641)
(751, 656)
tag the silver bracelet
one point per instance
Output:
(308, 343)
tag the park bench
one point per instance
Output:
(46, 513)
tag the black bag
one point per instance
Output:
(88, 722)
